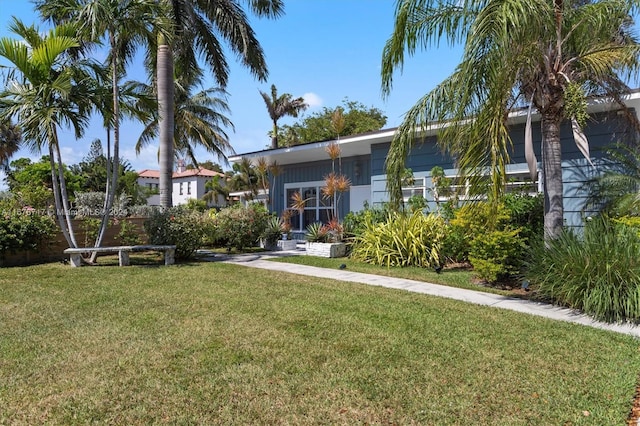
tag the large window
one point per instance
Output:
(316, 207)
(517, 181)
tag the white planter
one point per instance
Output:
(287, 244)
(326, 249)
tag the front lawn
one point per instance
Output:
(213, 343)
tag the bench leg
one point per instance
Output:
(123, 256)
(169, 257)
(76, 260)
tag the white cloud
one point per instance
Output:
(71, 155)
(147, 159)
(312, 100)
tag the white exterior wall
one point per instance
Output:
(153, 200)
(186, 193)
(197, 189)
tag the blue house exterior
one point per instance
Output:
(363, 157)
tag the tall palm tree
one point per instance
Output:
(199, 120)
(10, 138)
(551, 54)
(199, 27)
(280, 106)
(126, 25)
(46, 91)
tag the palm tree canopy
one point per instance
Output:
(46, 88)
(552, 53)
(10, 139)
(200, 120)
(285, 104)
(279, 106)
(202, 26)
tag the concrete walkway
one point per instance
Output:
(469, 296)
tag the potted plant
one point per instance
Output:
(271, 234)
(325, 240)
(286, 243)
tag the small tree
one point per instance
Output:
(321, 126)
(335, 183)
(280, 106)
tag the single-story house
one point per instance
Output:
(363, 156)
(187, 183)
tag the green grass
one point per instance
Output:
(461, 278)
(213, 343)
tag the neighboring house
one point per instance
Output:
(246, 197)
(363, 162)
(187, 183)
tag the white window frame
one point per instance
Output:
(296, 218)
(423, 185)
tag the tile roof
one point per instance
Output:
(155, 174)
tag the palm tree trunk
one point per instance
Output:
(165, 109)
(63, 197)
(274, 136)
(112, 181)
(56, 199)
(552, 173)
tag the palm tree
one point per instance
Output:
(551, 54)
(280, 106)
(47, 90)
(10, 138)
(215, 188)
(199, 120)
(245, 178)
(125, 24)
(198, 27)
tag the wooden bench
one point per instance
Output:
(123, 253)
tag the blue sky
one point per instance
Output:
(324, 50)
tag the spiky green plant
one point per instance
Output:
(316, 233)
(597, 272)
(402, 240)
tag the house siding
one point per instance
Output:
(357, 169)
(602, 130)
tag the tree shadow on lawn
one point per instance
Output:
(148, 260)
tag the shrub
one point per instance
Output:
(630, 221)
(527, 213)
(90, 227)
(196, 204)
(417, 203)
(597, 272)
(92, 204)
(176, 226)
(469, 222)
(354, 223)
(128, 234)
(497, 254)
(402, 240)
(23, 230)
(239, 226)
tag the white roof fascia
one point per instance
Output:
(361, 144)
